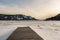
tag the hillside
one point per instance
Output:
(57, 17)
(15, 17)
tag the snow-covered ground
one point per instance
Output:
(48, 30)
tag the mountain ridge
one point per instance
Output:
(57, 17)
(16, 17)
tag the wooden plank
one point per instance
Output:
(24, 33)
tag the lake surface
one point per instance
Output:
(48, 30)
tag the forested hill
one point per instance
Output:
(57, 17)
(15, 17)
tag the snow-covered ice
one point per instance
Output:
(48, 30)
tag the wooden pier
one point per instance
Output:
(24, 33)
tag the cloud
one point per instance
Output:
(39, 9)
(15, 2)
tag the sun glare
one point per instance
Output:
(57, 6)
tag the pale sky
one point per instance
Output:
(39, 9)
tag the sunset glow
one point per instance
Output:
(39, 9)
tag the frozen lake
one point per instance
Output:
(48, 30)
